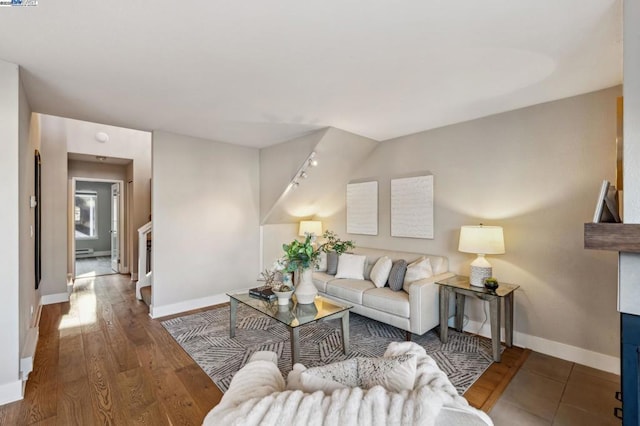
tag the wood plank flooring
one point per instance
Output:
(102, 360)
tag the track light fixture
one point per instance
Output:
(301, 174)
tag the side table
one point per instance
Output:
(460, 286)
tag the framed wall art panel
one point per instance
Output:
(412, 207)
(362, 208)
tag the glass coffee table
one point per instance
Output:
(294, 316)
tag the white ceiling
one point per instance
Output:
(258, 72)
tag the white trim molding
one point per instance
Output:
(187, 305)
(50, 299)
(10, 392)
(560, 350)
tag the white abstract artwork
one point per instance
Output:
(362, 208)
(412, 207)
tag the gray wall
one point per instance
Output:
(103, 191)
(536, 172)
(94, 170)
(206, 211)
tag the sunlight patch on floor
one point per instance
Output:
(83, 306)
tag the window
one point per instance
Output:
(85, 215)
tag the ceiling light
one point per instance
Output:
(102, 137)
(101, 158)
(303, 175)
(313, 162)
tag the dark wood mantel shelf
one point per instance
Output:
(612, 236)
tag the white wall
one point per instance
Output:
(55, 240)
(205, 223)
(535, 171)
(29, 142)
(10, 385)
(629, 293)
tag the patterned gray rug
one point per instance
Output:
(205, 337)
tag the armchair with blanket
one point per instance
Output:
(405, 387)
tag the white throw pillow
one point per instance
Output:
(417, 270)
(380, 271)
(395, 374)
(328, 378)
(322, 262)
(351, 266)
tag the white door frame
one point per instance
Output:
(121, 219)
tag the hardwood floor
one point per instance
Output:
(102, 360)
(484, 393)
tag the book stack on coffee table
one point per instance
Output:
(264, 293)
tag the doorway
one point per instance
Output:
(97, 225)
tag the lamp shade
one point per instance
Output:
(481, 240)
(310, 227)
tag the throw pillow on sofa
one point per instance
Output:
(332, 263)
(380, 271)
(417, 270)
(351, 266)
(396, 276)
(322, 262)
(396, 373)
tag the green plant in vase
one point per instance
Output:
(301, 257)
(334, 247)
(334, 243)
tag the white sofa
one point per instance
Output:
(416, 311)
(258, 395)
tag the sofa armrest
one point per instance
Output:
(424, 307)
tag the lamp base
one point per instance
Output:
(478, 275)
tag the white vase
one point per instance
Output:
(306, 291)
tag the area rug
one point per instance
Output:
(205, 337)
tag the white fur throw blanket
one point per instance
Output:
(257, 396)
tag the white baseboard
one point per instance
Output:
(50, 299)
(187, 305)
(134, 276)
(10, 392)
(102, 253)
(575, 354)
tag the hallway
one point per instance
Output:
(102, 360)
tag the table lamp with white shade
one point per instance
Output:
(310, 227)
(481, 240)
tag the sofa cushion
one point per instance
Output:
(351, 266)
(418, 270)
(396, 276)
(386, 300)
(320, 280)
(380, 271)
(350, 290)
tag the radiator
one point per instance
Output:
(84, 252)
